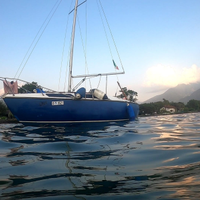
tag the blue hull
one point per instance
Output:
(42, 111)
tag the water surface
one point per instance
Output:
(152, 158)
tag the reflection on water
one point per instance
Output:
(153, 158)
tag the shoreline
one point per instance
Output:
(7, 121)
(13, 120)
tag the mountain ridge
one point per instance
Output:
(180, 93)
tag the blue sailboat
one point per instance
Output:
(45, 107)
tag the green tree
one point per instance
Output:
(158, 105)
(3, 109)
(179, 106)
(147, 108)
(166, 102)
(28, 87)
(130, 94)
(193, 105)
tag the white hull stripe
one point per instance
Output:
(67, 122)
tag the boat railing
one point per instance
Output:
(12, 84)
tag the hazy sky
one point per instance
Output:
(158, 42)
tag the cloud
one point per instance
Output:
(191, 74)
(168, 76)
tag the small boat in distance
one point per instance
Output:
(48, 107)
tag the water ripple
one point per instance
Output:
(152, 158)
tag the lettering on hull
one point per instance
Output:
(57, 103)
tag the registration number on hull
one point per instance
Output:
(57, 103)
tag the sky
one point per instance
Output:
(158, 43)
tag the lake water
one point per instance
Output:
(152, 158)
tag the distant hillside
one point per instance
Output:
(180, 93)
(195, 95)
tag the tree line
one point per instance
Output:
(3, 109)
(155, 107)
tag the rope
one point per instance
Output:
(99, 82)
(86, 65)
(66, 71)
(107, 35)
(55, 7)
(105, 31)
(34, 40)
(111, 35)
(84, 48)
(66, 68)
(84, 51)
(63, 49)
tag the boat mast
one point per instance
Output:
(72, 48)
